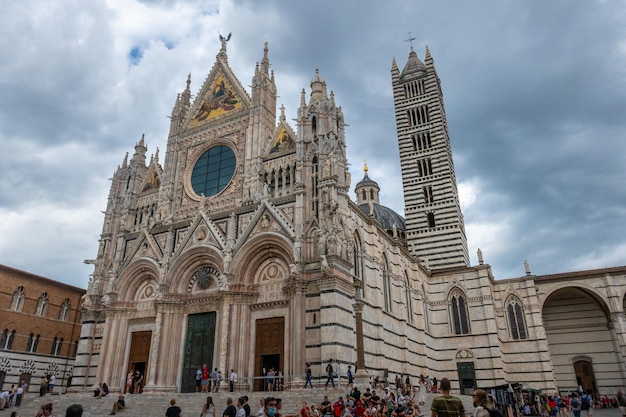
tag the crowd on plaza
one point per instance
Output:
(403, 400)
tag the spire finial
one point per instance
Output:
(410, 40)
(365, 165)
(224, 40)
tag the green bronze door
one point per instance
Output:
(198, 347)
(467, 377)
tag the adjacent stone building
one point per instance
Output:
(245, 251)
(40, 325)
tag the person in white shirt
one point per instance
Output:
(51, 382)
(4, 399)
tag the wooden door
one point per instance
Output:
(269, 349)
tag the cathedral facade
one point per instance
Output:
(245, 251)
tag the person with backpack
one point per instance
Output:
(584, 403)
(576, 404)
(483, 406)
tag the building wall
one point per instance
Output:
(17, 362)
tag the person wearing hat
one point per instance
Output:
(118, 405)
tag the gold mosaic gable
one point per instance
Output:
(283, 142)
(218, 99)
(153, 180)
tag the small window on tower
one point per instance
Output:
(431, 219)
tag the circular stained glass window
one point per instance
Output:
(213, 171)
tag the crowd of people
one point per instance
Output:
(561, 405)
(400, 401)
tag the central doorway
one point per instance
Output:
(269, 350)
(199, 346)
(140, 353)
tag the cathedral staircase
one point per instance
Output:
(141, 405)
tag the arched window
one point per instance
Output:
(359, 271)
(386, 285)
(33, 341)
(64, 312)
(515, 314)
(18, 299)
(56, 346)
(42, 304)
(75, 351)
(409, 301)
(7, 339)
(458, 312)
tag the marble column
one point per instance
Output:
(360, 377)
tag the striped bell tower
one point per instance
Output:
(435, 232)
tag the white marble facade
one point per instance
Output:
(275, 240)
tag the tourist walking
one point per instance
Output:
(232, 380)
(575, 404)
(198, 378)
(208, 409)
(230, 410)
(446, 405)
(308, 375)
(173, 410)
(330, 373)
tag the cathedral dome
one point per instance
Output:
(367, 199)
(387, 218)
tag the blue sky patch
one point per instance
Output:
(135, 55)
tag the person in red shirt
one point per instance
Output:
(305, 411)
(359, 409)
(205, 378)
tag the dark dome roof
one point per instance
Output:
(385, 216)
(367, 181)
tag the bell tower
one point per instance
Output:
(435, 231)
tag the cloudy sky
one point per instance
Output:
(535, 95)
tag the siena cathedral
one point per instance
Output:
(244, 250)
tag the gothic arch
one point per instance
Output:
(134, 276)
(515, 317)
(459, 313)
(188, 263)
(386, 284)
(257, 255)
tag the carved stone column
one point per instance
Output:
(295, 290)
(224, 336)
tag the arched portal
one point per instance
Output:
(581, 341)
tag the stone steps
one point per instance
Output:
(140, 405)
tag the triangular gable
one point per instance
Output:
(283, 141)
(202, 232)
(221, 95)
(266, 218)
(145, 247)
